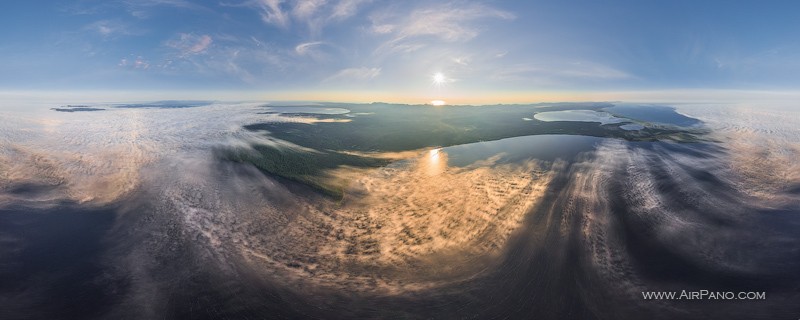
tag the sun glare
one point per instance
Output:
(438, 102)
(439, 79)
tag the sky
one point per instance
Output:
(391, 50)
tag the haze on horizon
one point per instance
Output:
(363, 50)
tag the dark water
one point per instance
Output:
(655, 114)
(51, 263)
(517, 149)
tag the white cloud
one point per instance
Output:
(104, 29)
(346, 8)
(138, 63)
(450, 22)
(244, 61)
(306, 9)
(273, 13)
(383, 28)
(190, 44)
(304, 48)
(463, 60)
(313, 13)
(357, 74)
(109, 28)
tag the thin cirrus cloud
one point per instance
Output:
(346, 8)
(307, 8)
(315, 14)
(139, 63)
(190, 44)
(273, 13)
(108, 28)
(307, 47)
(355, 74)
(447, 22)
(292, 41)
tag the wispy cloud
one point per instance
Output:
(305, 48)
(383, 28)
(272, 12)
(110, 28)
(307, 8)
(242, 59)
(314, 14)
(355, 74)
(190, 44)
(346, 8)
(450, 22)
(138, 63)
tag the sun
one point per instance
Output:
(439, 79)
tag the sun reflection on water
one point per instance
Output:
(436, 162)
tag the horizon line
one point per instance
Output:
(468, 99)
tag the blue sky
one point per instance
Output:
(311, 48)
